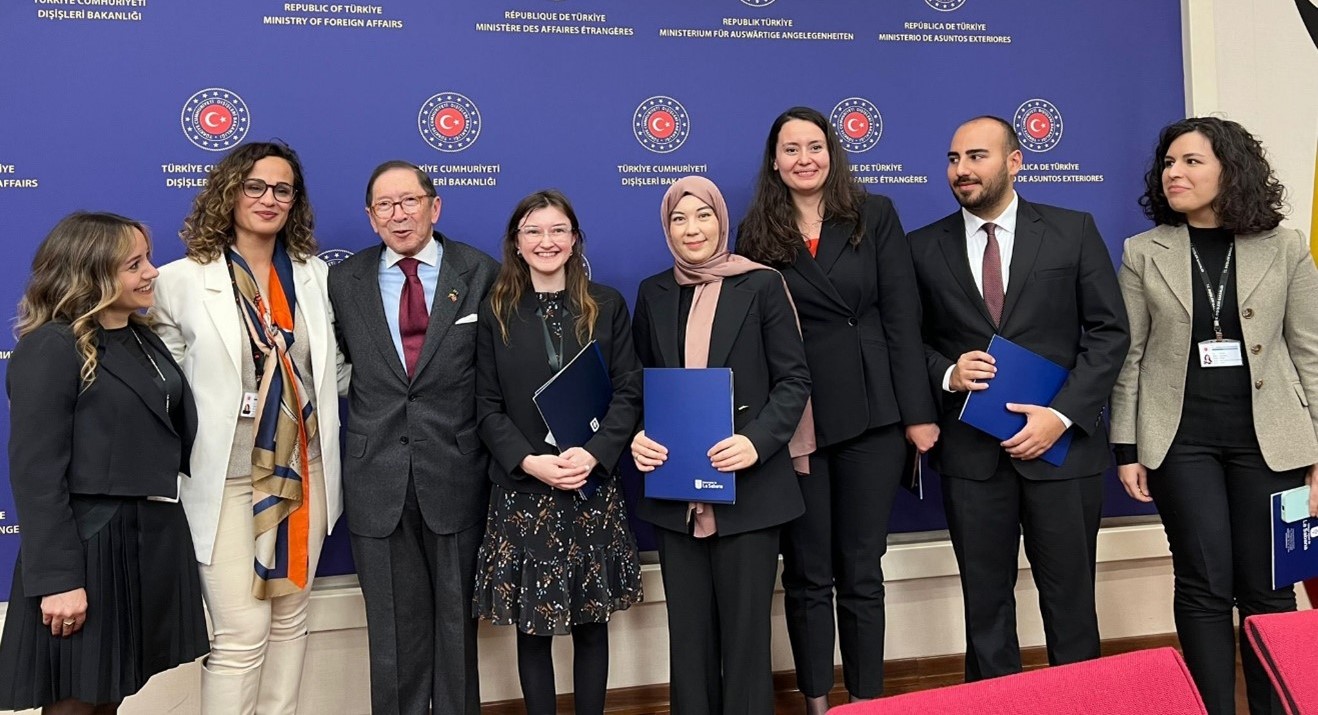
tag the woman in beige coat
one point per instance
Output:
(1217, 403)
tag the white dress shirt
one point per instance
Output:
(976, 243)
(392, 279)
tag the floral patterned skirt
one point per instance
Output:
(551, 561)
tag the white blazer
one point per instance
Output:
(196, 316)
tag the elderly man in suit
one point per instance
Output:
(1041, 277)
(414, 479)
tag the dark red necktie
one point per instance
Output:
(992, 275)
(412, 315)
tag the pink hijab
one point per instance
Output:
(708, 278)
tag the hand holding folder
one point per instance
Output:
(573, 403)
(1023, 379)
(688, 412)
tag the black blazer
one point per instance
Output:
(754, 333)
(1062, 302)
(112, 438)
(507, 376)
(860, 317)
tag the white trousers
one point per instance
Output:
(242, 624)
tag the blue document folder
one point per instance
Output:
(1294, 543)
(688, 411)
(574, 401)
(1024, 378)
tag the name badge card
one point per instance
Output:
(1220, 353)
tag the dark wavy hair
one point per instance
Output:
(514, 277)
(1249, 197)
(208, 229)
(768, 234)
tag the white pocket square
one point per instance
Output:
(467, 319)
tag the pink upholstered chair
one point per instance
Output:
(1285, 645)
(1139, 683)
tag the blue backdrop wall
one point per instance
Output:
(123, 105)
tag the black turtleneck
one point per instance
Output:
(1217, 409)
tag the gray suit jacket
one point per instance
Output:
(426, 426)
(1277, 289)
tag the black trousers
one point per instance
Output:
(720, 595)
(1059, 519)
(1215, 507)
(839, 544)
(421, 634)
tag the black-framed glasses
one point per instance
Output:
(384, 208)
(256, 188)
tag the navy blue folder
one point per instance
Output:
(688, 411)
(574, 401)
(1024, 378)
(1294, 543)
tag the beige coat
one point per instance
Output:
(1277, 292)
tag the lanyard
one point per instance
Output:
(1215, 299)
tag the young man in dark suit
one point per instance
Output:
(1041, 277)
(414, 482)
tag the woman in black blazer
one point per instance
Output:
(719, 563)
(844, 256)
(556, 519)
(105, 591)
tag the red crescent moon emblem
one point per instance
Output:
(855, 125)
(1038, 125)
(661, 124)
(214, 119)
(449, 122)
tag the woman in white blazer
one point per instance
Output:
(246, 314)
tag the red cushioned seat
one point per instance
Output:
(1139, 683)
(1285, 643)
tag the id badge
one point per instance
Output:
(1220, 353)
(248, 409)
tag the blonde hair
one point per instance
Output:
(75, 276)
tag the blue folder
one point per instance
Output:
(1294, 543)
(688, 411)
(1024, 378)
(574, 401)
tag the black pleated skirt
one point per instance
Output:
(144, 611)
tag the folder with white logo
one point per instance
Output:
(689, 410)
(1294, 538)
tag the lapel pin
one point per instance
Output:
(453, 296)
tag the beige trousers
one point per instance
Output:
(247, 633)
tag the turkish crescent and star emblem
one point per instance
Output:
(215, 119)
(858, 123)
(449, 122)
(661, 124)
(1038, 125)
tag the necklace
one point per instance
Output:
(147, 352)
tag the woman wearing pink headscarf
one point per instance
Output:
(715, 309)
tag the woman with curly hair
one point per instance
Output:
(247, 315)
(1216, 407)
(558, 556)
(105, 591)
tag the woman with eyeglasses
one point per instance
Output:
(558, 556)
(105, 592)
(248, 317)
